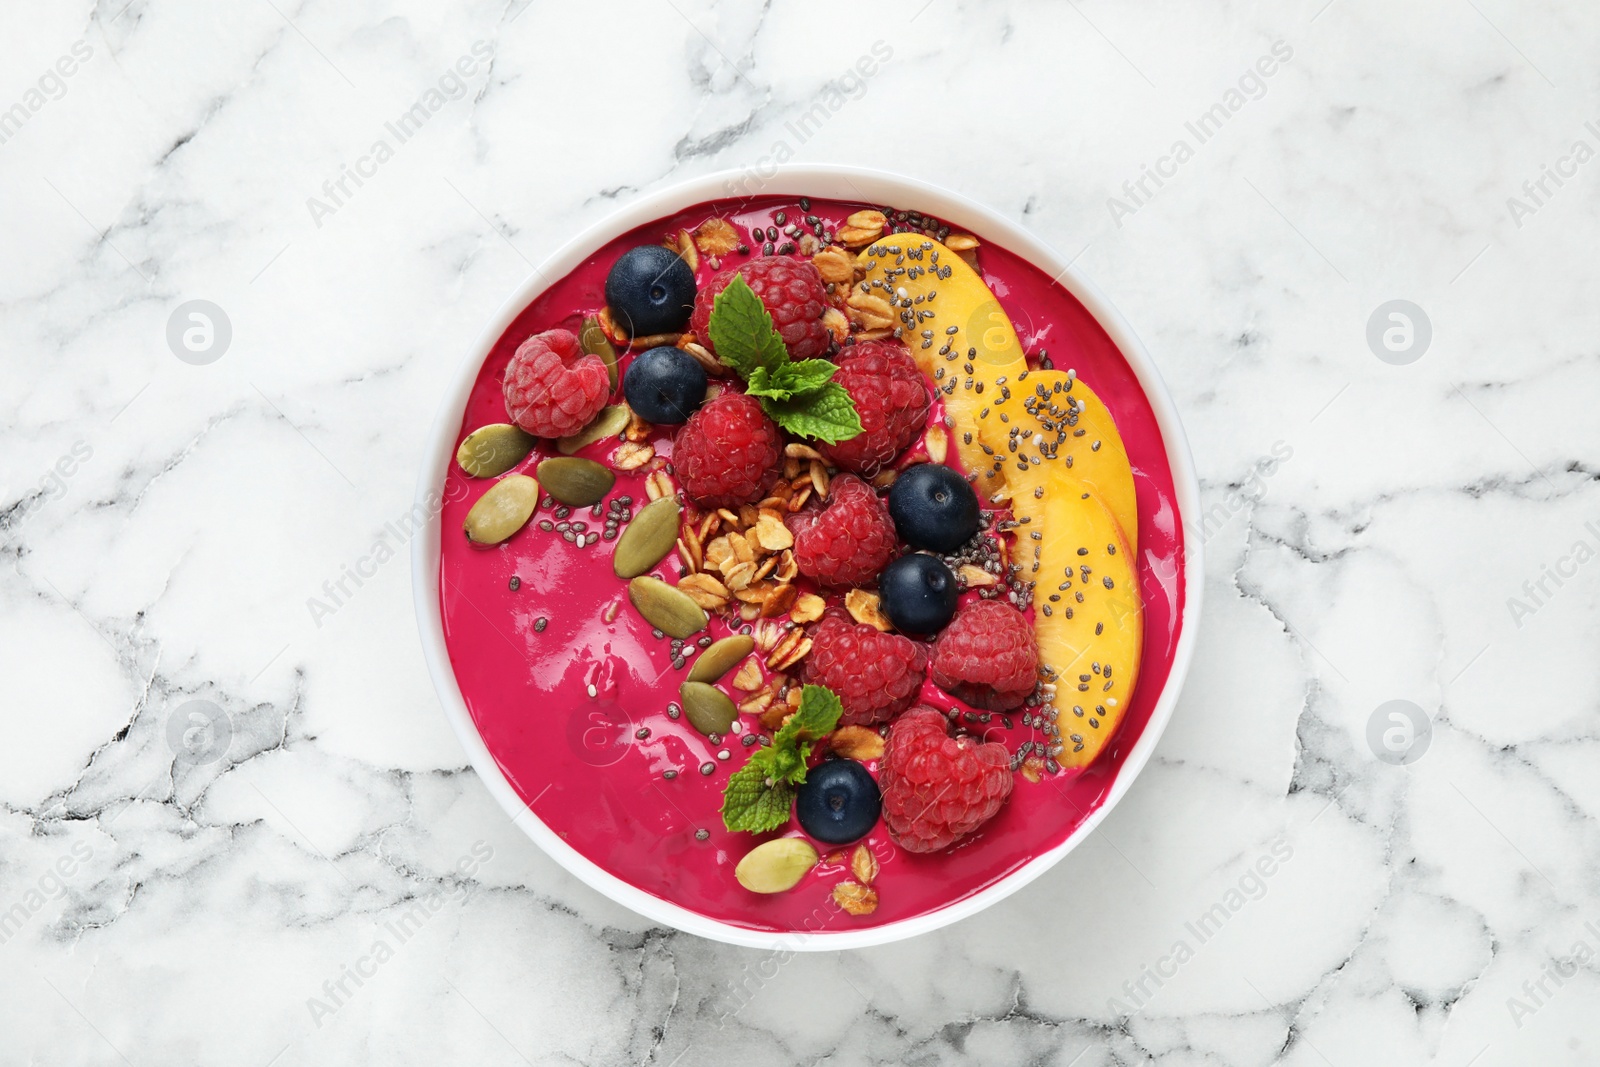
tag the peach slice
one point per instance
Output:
(1060, 428)
(1088, 616)
(960, 335)
(1071, 492)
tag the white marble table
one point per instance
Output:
(1425, 538)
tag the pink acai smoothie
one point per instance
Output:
(570, 690)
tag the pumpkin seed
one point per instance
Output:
(503, 510)
(574, 481)
(593, 340)
(648, 538)
(719, 659)
(665, 608)
(610, 422)
(490, 451)
(776, 866)
(707, 708)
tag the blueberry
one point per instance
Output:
(838, 803)
(918, 593)
(664, 385)
(650, 290)
(933, 507)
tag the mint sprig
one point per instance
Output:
(800, 396)
(758, 795)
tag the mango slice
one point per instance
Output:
(1057, 427)
(1088, 616)
(960, 335)
(1047, 442)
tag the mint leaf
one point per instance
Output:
(767, 386)
(750, 803)
(742, 331)
(791, 380)
(758, 795)
(804, 376)
(788, 763)
(816, 717)
(827, 415)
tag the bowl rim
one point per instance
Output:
(830, 181)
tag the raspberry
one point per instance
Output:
(987, 656)
(794, 295)
(936, 788)
(875, 675)
(727, 453)
(552, 389)
(848, 542)
(891, 398)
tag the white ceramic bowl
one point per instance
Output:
(839, 183)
